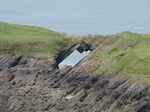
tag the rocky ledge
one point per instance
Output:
(28, 84)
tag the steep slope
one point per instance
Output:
(114, 77)
(125, 54)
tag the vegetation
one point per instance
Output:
(24, 39)
(125, 54)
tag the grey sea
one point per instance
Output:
(80, 17)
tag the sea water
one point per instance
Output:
(79, 17)
(74, 58)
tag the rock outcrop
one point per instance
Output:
(83, 47)
(114, 77)
(28, 84)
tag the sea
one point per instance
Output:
(80, 17)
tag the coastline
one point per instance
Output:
(114, 77)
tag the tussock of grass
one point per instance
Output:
(24, 39)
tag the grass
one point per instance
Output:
(24, 39)
(125, 54)
(136, 58)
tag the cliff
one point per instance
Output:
(114, 77)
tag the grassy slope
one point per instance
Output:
(24, 39)
(125, 54)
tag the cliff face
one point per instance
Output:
(114, 77)
(38, 85)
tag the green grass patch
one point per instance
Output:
(125, 54)
(24, 39)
